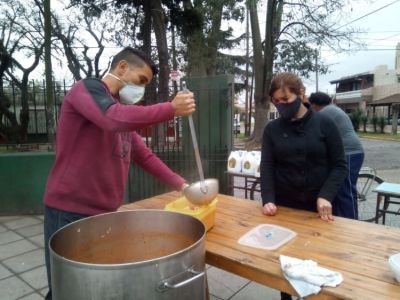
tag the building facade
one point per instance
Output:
(376, 92)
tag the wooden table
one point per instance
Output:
(358, 250)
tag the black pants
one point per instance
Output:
(55, 219)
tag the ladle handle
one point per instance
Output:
(195, 146)
(196, 149)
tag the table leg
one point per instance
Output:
(378, 200)
(245, 187)
(386, 199)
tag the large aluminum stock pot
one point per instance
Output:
(140, 254)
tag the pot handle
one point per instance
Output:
(167, 284)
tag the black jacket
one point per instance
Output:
(301, 160)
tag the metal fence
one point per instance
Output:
(37, 108)
(142, 185)
(169, 140)
(167, 134)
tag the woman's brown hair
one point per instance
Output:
(285, 79)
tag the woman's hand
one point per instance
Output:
(324, 208)
(269, 209)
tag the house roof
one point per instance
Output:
(351, 77)
(394, 98)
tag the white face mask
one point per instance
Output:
(130, 93)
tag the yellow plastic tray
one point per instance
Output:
(205, 213)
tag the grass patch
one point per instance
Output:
(379, 136)
(4, 150)
(239, 136)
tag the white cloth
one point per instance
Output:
(306, 276)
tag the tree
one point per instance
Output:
(293, 30)
(21, 33)
(74, 42)
(199, 23)
(395, 117)
(50, 125)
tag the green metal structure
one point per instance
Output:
(23, 178)
(213, 123)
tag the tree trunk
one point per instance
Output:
(395, 117)
(49, 80)
(195, 45)
(158, 18)
(195, 52)
(261, 110)
(212, 40)
(174, 61)
(24, 113)
(263, 66)
(150, 95)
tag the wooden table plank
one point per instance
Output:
(358, 250)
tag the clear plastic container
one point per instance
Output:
(267, 236)
(205, 213)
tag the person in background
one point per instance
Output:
(345, 202)
(96, 143)
(302, 157)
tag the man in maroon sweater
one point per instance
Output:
(96, 142)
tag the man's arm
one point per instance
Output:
(92, 99)
(142, 156)
(267, 169)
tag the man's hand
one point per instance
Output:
(324, 208)
(184, 104)
(270, 209)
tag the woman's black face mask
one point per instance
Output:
(289, 110)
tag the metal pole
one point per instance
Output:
(316, 70)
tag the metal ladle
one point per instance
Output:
(205, 190)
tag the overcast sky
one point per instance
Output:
(383, 32)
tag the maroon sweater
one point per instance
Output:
(96, 143)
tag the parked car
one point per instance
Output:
(390, 121)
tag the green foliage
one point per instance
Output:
(381, 123)
(355, 117)
(364, 121)
(374, 121)
(298, 57)
(305, 27)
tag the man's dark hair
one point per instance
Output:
(320, 99)
(134, 57)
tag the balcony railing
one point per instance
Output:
(349, 97)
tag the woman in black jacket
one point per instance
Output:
(302, 161)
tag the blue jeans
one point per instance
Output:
(345, 203)
(55, 219)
